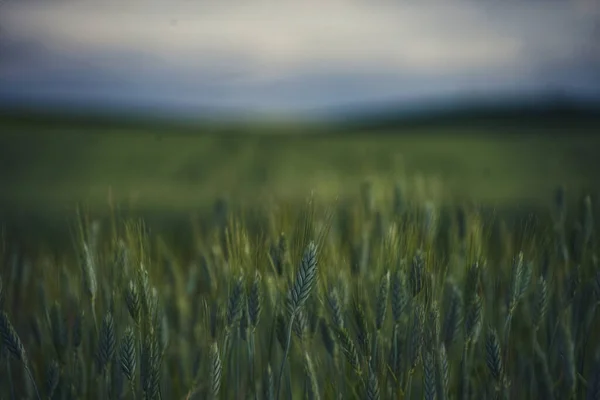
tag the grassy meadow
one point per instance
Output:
(448, 261)
(52, 166)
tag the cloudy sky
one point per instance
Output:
(302, 56)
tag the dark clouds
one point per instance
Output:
(288, 57)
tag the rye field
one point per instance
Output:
(448, 262)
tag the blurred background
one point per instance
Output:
(160, 108)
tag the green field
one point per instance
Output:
(54, 168)
(481, 284)
(165, 171)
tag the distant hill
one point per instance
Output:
(554, 113)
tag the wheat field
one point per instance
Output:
(397, 267)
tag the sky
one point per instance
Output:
(299, 57)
